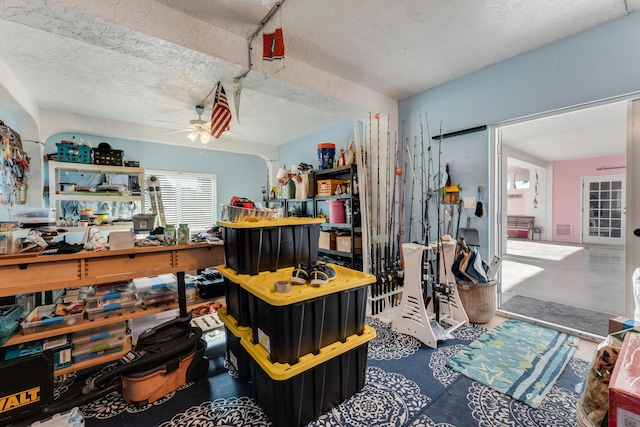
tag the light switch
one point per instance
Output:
(469, 202)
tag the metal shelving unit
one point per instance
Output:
(318, 204)
(60, 171)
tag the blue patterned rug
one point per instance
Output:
(518, 359)
(407, 384)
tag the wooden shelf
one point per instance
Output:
(49, 272)
(37, 273)
(85, 324)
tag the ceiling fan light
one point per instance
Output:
(205, 137)
(192, 136)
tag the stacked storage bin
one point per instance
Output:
(306, 349)
(94, 342)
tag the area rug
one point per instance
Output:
(518, 359)
(564, 315)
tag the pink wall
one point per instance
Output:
(567, 191)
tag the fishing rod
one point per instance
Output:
(422, 193)
(394, 225)
(436, 280)
(370, 182)
(413, 184)
(401, 207)
(388, 215)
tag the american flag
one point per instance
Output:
(220, 114)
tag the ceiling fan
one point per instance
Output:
(197, 128)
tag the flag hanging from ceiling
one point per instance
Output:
(220, 114)
(237, 90)
(273, 46)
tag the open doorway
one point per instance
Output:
(563, 263)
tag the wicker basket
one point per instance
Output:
(478, 300)
(327, 187)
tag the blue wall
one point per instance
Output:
(597, 64)
(236, 174)
(9, 118)
(305, 149)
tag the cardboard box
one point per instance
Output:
(121, 240)
(327, 240)
(624, 387)
(621, 323)
(343, 244)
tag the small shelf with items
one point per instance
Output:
(345, 222)
(108, 193)
(339, 236)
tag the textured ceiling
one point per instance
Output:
(150, 62)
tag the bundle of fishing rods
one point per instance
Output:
(385, 164)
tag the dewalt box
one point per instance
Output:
(307, 318)
(267, 245)
(294, 395)
(26, 386)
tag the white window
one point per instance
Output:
(187, 198)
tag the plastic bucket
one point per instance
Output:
(326, 153)
(336, 211)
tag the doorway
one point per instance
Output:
(557, 268)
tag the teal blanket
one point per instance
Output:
(518, 359)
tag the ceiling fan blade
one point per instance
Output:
(174, 123)
(177, 131)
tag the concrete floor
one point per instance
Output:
(589, 277)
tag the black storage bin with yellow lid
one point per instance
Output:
(267, 245)
(294, 395)
(237, 300)
(305, 319)
(236, 354)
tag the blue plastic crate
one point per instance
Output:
(74, 153)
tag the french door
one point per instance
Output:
(603, 209)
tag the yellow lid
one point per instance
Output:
(232, 324)
(275, 222)
(284, 371)
(262, 284)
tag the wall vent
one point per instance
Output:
(563, 229)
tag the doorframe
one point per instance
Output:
(632, 217)
(497, 175)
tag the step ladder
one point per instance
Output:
(413, 317)
(155, 197)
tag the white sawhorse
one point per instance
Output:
(413, 317)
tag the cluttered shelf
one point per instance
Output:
(20, 338)
(78, 366)
(50, 272)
